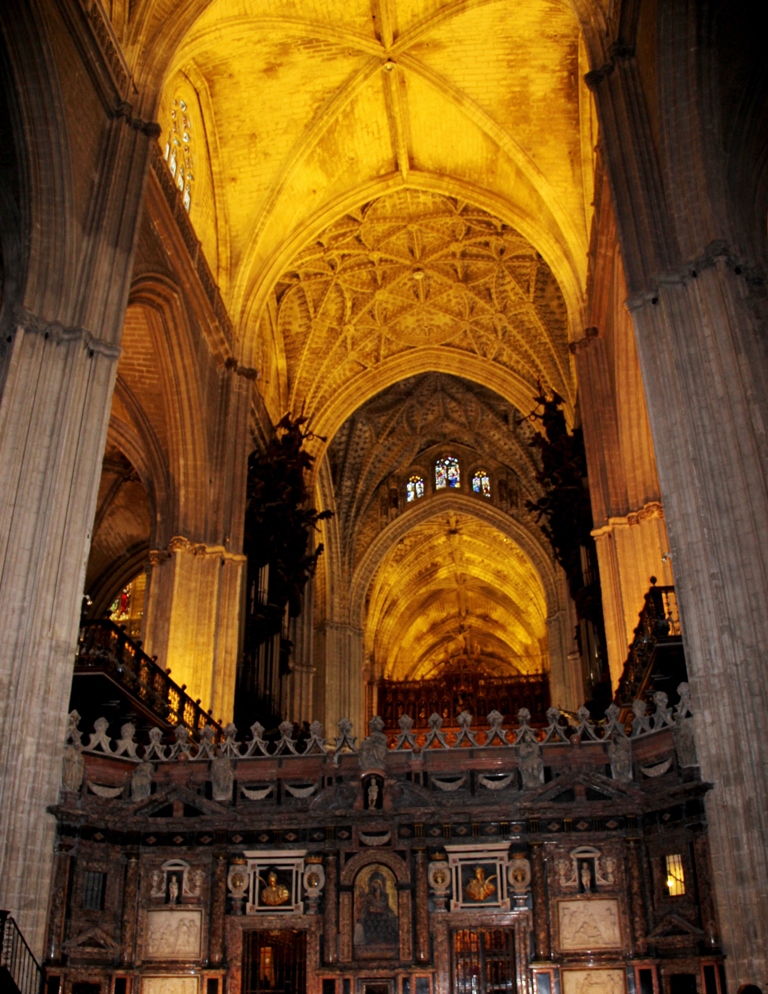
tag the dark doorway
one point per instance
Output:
(682, 983)
(275, 962)
(484, 961)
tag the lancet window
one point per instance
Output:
(178, 149)
(447, 473)
(414, 488)
(481, 483)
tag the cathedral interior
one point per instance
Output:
(384, 545)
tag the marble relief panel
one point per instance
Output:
(587, 925)
(169, 985)
(593, 982)
(174, 935)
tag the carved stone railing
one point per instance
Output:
(557, 732)
(472, 692)
(105, 648)
(658, 628)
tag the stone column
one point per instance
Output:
(540, 902)
(343, 692)
(218, 910)
(700, 340)
(421, 909)
(331, 911)
(57, 914)
(630, 540)
(636, 897)
(345, 924)
(566, 679)
(130, 904)
(192, 619)
(59, 374)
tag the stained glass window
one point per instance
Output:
(447, 473)
(414, 488)
(178, 149)
(127, 609)
(481, 483)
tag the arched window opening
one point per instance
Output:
(481, 483)
(414, 488)
(178, 149)
(447, 473)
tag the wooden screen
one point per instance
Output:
(484, 961)
(274, 962)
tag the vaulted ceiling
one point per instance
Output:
(396, 198)
(454, 584)
(448, 566)
(313, 108)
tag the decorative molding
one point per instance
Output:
(653, 509)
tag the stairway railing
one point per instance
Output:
(659, 624)
(105, 647)
(17, 961)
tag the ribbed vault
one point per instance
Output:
(471, 99)
(453, 572)
(455, 584)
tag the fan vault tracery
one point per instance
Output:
(413, 270)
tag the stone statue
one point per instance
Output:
(222, 778)
(685, 743)
(531, 763)
(173, 890)
(620, 755)
(157, 884)
(141, 781)
(72, 768)
(586, 877)
(373, 750)
(373, 793)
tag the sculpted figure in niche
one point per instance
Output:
(273, 893)
(478, 888)
(173, 890)
(586, 876)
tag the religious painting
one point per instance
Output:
(479, 883)
(274, 881)
(589, 925)
(376, 924)
(593, 982)
(173, 935)
(479, 876)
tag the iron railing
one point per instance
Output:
(18, 967)
(105, 648)
(658, 626)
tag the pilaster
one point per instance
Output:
(192, 618)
